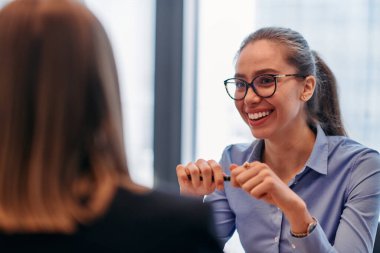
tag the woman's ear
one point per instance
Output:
(308, 88)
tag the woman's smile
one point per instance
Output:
(259, 115)
(258, 118)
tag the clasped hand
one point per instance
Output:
(256, 178)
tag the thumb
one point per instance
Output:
(233, 166)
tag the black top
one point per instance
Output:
(149, 222)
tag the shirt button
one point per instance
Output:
(276, 239)
(293, 246)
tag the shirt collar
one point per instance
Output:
(317, 160)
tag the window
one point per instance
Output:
(130, 26)
(3, 2)
(345, 39)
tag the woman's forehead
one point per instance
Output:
(262, 54)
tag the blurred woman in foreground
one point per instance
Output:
(64, 183)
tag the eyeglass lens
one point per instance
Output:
(264, 86)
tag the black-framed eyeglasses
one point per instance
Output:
(263, 85)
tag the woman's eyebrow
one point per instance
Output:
(266, 71)
(256, 73)
(238, 75)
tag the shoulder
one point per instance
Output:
(158, 206)
(362, 163)
(163, 199)
(162, 220)
(238, 147)
(346, 148)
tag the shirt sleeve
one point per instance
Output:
(223, 216)
(358, 222)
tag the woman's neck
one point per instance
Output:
(288, 155)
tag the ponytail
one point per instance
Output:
(323, 107)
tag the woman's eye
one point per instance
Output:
(265, 80)
(240, 85)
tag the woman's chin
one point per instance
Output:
(260, 133)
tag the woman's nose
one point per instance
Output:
(251, 97)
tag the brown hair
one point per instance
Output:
(61, 141)
(323, 108)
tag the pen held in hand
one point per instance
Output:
(225, 178)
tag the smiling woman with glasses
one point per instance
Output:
(301, 185)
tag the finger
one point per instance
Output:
(181, 174)
(252, 180)
(235, 171)
(250, 172)
(233, 166)
(184, 179)
(195, 174)
(249, 165)
(217, 173)
(256, 163)
(206, 173)
(260, 191)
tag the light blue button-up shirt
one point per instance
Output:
(340, 185)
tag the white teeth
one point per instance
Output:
(258, 115)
